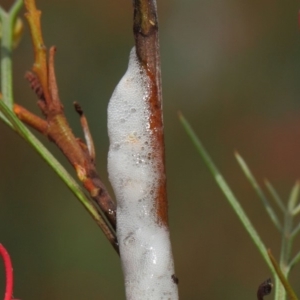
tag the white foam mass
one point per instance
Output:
(145, 248)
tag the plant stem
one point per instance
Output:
(145, 29)
(7, 22)
(286, 243)
(281, 278)
(295, 260)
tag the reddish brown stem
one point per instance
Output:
(57, 130)
(147, 48)
(55, 105)
(33, 16)
(31, 119)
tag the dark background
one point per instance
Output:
(233, 68)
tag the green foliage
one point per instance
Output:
(287, 230)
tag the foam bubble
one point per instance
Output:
(144, 245)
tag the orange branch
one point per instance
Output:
(55, 105)
(33, 16)
(31, 119)
(56, 126)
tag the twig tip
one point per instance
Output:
(78, 108)
(180, 115)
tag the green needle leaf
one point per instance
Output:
(293, 199)
(258, 191)
(295, 231)
(275, 195)
(7, 25)
(227, 192)
(295, 260)
(296, 210)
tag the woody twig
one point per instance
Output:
(55, 125)
(145, 29)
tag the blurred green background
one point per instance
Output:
(233, 68)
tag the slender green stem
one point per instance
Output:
(7, 22)
(296, 210)
(228, 193)
(295, 231)
(295, 260)
(280, 292)
(288, 236)
(259, 191)
(294, 198)
(14, 10)
(287, 240)
(275, 195)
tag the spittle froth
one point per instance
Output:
(144, 243)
